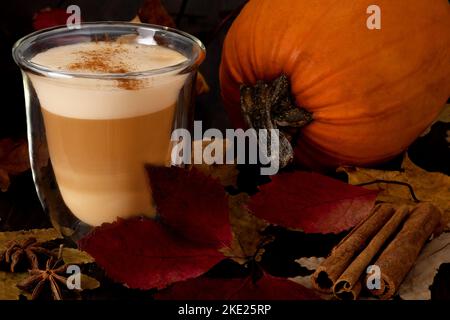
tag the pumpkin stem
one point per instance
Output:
(271, 106)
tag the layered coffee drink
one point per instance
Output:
(102, 132)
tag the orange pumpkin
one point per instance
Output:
(371, 92)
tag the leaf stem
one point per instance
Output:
(410, 188)
(60, 251)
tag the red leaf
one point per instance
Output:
(47, 18)
(312, 202)
(182, 244)
(192, 204)
(266, 288)
(142, 253)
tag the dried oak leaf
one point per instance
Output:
(416, 285)
(184, 242)
(312, 202)
(266, 288)
(247, 230)
(13, 160)
(431, 187)
(50, 17)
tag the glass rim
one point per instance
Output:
(27, 65)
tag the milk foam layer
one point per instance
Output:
(84, 98)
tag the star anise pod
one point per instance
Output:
(28, 249)
(51, 276)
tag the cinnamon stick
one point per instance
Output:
(399, 256)
(326, 275)
(348, 286)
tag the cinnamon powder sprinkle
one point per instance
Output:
(104, 60)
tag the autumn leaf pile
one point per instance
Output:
(193, 232)
(200, 225)
(9, 289)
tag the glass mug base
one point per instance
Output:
(94, 127)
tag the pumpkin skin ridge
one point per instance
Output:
(379, 114)
(309, 34)
(251, 42)
(340, 69)
(235, 69)
(427, 103)
(340, 160)
(310, 133)
(308, 137)
(254, 44)
(368, 117)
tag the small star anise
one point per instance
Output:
(52, 275)
(25, 249)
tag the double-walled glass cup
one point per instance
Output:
(92, 134)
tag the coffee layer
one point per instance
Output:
(100, 164)
(84, 98)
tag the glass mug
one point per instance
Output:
(92, 133)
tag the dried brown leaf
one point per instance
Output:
(310, 263)
(307, 283)
(75, 256)
(226, 173)
(201, 86)
(8, 285)
(13, 160)
(136, 19)
(445, 114)
(443, 117)
(89, 283)
(247, 230)
(431, 187)
(41, 235)
(416, 285)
